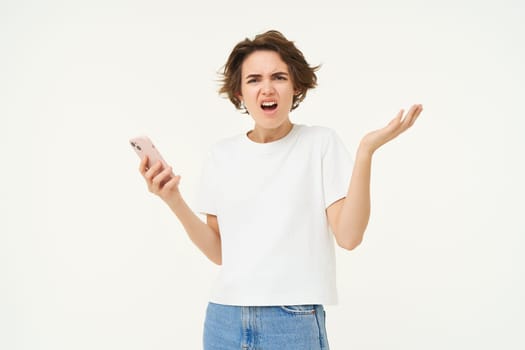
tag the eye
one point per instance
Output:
(280, 77)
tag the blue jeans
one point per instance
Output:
(293, 327)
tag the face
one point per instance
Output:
(266, 89)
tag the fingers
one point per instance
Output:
(409, 113)
(417, 112)
(402, 122)
(172, 183)
(161, 178)
(143, 165)
(152, 171)
(396, 126)
(153, 175)
(161, 181)
(398, 118)
(395, 123)
(411, 116)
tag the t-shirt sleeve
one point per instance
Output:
(207, 191)
(337, 170)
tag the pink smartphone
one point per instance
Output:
(144, 147)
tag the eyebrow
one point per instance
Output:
(249, 76)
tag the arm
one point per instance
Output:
(205, 236)
(348, 217)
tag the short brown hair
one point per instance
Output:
(303, 76)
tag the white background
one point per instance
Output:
(89, 259)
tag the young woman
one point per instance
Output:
(275, 198)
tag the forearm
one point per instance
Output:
(202, 235)
(355, 212)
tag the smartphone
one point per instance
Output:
(144, 147)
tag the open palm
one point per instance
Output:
(375, 139)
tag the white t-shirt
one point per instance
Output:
(270, 200)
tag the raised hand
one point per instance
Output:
(375, 139)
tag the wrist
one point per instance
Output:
(174, 199)
(365, 151)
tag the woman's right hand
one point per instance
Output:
(161, 182)
(165, 184)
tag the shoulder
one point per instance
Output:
(316, 131)
(224, 147)
(318, 135)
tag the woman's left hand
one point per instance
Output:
(375, 139)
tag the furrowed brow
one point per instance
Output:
(250, 76)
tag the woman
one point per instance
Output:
(273, 197)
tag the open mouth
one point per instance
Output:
(269, 105)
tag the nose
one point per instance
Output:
(267, 88)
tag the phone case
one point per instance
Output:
(144, 147)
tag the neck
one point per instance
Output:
(263, 135)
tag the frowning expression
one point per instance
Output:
(266, 88)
